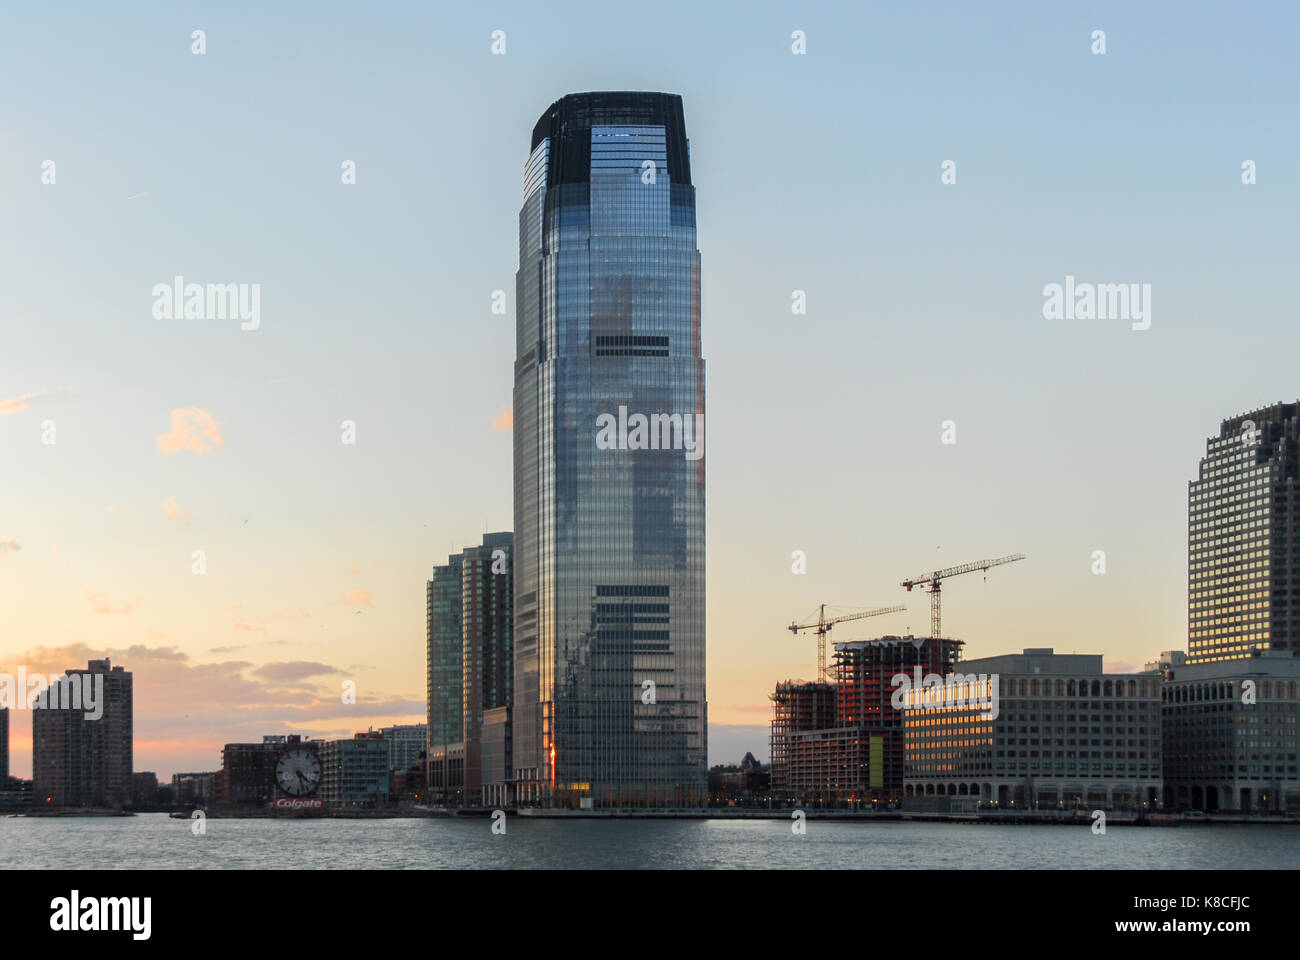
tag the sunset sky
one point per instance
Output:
(818, 173)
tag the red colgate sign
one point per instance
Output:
(287, 803)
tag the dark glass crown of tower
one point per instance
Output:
(609, 543)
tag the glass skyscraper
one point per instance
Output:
(608, 459)
(1244, 539)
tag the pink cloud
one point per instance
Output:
(357, 595)
(185, 712)
(504, 420)
(193, 428)
(174, 513)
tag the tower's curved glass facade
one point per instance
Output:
(608, 460)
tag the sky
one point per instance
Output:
(818, 172)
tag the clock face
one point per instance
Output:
(298, 772)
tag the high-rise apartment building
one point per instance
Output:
(487, 651)
(445, 640)
(82, 739)
(609, 701)
(4, 744)
(471, 666)
(1243, 571)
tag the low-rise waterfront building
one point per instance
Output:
(354, 773)
(194, 789)
(1231, 738)
(1061, 734)
(247, 775)
(144, 789)
(1168, 660)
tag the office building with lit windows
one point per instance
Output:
(609, 702)
(1244, 538)
(1063, 735)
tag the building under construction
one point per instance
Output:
(842, 742)
(797, 706)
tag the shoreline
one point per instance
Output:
(1081, 818)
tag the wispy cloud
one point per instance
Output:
(504, 420)
(16, 404)
(193, 428)
(292, 671)
(9, 546)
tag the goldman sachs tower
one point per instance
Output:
(609, 704)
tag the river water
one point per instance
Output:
(155, 840)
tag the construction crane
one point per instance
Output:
(938, 576)
(823, 627)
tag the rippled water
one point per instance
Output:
(155, 840)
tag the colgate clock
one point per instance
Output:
(298, 772)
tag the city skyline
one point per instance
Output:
(924, 304)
